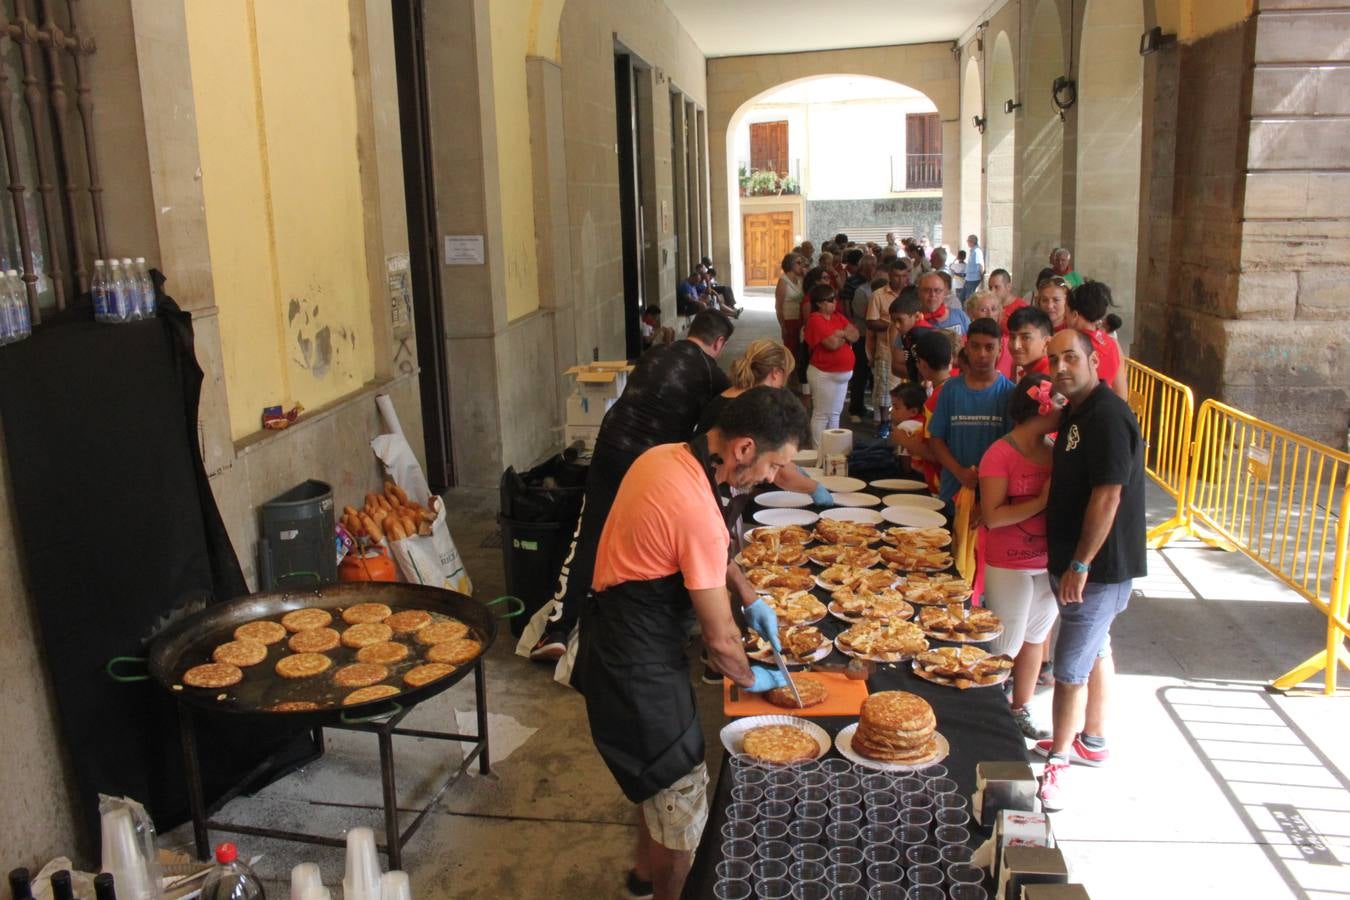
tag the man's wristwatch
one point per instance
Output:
(1081, 568)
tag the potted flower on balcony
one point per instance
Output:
(763, 183)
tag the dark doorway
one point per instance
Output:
(626, 115)
(419, 191)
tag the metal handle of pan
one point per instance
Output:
(513, 612)
(348, 719)
(112, 664)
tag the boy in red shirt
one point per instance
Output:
(1029, 333)
(933, 355)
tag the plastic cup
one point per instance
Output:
(954, 817)
(941, 786)
(768, 870)
(964, 873)
(886, 892)
(804, 766)
(776, 794)
(816, 778)
(739, 762)
(812, 812)
(969, 892)
(124, 858)
(879, 799)
(956, 853)
(747, 793)
(835, 766)
(362, 881)
(923, 855)
(810, 890)
(771, 830)
(936, 770)
(883, 815)
(773, 889)
(916, 801)
(733, 869)
(817, 853)
(952, 800)
(946, 835)
(839, 874)
(779, 852)
(304, 877)
(885, 873)
(925, 875)
(872, 835)
(846, 797)
(852, 815)
(846, 856)
(921, 817)
(846, 781)
(813, 794)
(907, 836)
(841, 834)
(782, 778)
(806, 871)
(805, 831)
(742, 850)
(394, 885)
(925, 892)
(910, 784)
(776, 811)
(877, 782)
(733, 831)
(880, 853)
(742, 812)
(848, 892)
(732, 889)
(751, 777)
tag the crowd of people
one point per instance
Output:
(1019, 403)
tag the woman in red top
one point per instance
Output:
(1087, 308)
(828, 337)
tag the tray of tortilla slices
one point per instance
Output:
(826, 693)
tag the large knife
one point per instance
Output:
(782, 667)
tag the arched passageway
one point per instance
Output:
(1106, 240)
(972, 147)
(1001, 163)
(1040, 210)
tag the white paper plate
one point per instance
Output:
(913, 515)
(923, 501)
(844, 741)
(806, 457)
(734, 731)
(899, 484)
(944, 680)
(812, 472)
(856, 500)
(854, 514)
(786, 517)
(836, 483)
(784, 499)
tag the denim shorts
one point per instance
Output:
(1085, 628)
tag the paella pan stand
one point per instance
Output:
(385, 728)
(189, 642)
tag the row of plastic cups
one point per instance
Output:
(773, 880)
(783, 889)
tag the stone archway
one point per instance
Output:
(1040, 210)
(1110, 117)
(1001, 162)
(972, 147)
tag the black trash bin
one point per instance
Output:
(296, 538)
(539, 512)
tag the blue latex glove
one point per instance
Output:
(821, 496)
(764, 620)
(766, 679)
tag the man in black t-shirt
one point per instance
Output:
(1095, 531)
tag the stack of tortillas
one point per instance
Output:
(897, 727)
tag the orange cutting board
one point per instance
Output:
(844, 698)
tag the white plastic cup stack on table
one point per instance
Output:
(123, 856)
(395, 886)
(305, 881)
(362, 881)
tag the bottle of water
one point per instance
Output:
(147, 285)
(98, 290)
(132, 310)
(117, 292)
(231, 879)
(9, 332)
(20, 320)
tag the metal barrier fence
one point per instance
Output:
(1166, 409)
(1282, 500)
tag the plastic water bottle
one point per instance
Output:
(117, 292)
(147, 289)
(231, 878)
(98, 290)
(20, 321)
(132, 310)
(9, 332)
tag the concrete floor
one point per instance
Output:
(1209, 779)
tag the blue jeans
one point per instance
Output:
(1085, 628)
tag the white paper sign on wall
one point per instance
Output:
(463, 249)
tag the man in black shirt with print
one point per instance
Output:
(1095, 531)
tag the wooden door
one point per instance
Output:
(768, 238)
(769, 148)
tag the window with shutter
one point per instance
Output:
(923, 151)
(769, 147)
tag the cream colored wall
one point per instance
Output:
(277, 128)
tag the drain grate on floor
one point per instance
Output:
(493, 541)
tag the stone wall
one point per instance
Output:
(826, 218)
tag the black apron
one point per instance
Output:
(631, 667)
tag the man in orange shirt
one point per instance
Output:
(663, 552)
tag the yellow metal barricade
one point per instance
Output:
(965, 523)
(1166, 410)
(1282, 499)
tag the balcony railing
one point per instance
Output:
(922, 171)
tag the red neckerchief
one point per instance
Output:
(1039, 367)
(936, 316)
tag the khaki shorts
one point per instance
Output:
(675, 816)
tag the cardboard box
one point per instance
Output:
(584, 433)
(1023, 866)
(1000, 786)
(583, 409)
(601, 379)
(1017, 829)
(1055, 892)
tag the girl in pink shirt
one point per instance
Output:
(1014, 485)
